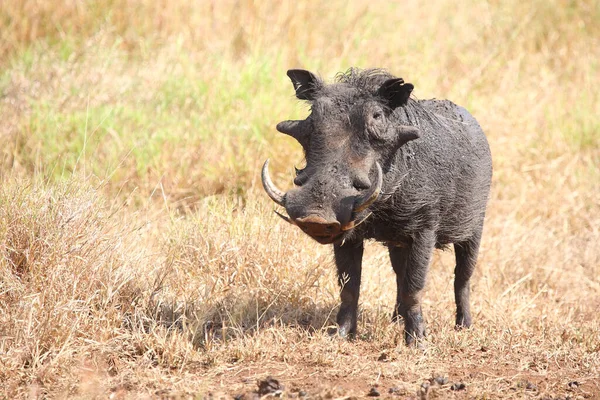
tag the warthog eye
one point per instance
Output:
(377, 115)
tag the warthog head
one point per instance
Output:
(350, 134)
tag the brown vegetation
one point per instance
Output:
(140, 257)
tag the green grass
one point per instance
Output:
(157, 94)
(123, 125)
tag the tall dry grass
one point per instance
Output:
(140, 258)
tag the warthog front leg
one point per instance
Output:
(348, 259)
(411, 264)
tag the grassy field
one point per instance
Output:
(141, 259)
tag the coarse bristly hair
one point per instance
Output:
(368, 80)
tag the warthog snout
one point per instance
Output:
(324, 230)
(319, 228)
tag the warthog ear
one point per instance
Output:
(405, 134)
(305, 83)
(395, 92)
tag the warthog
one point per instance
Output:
(412, 174)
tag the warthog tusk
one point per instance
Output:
(352, 224)
(274, 193)
(283, 217)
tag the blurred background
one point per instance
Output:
(131, 138)
(188, 93)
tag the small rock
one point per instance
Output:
(383, 356)
(530, 386)
(269, 386)
(423, 391)
(396, 391)
(373, 392)
(573, 385)
(458, 386)
(302, 393)
(527, 385)
(246, 396)
(440, 380)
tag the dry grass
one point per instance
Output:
(140, 258)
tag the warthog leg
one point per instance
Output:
(411, 264)
(348, 259)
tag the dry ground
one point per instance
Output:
(140, 258)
